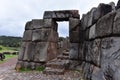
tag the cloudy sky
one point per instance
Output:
(15, 13)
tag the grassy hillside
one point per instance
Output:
(9, 41)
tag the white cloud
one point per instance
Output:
(15, 13)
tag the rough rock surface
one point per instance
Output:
(63, 15)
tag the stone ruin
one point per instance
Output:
(94, 41)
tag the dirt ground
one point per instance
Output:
(7, 72)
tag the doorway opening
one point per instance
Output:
(63, 32)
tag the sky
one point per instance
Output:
(15, 13)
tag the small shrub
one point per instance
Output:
(24, 69)
(40, 68)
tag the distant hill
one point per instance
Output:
(10, 41)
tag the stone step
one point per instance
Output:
(62, 57)
(58, 64)
(53, 71)
(66, 53)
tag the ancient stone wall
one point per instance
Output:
(40, 40)
(94, 41)
(100, 49)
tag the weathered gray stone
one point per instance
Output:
(95, 53)
(29, 51)
(101, 10)
(22, 51)
(37, 23)
(74, 28)
(87, 71)
(86, 35)
(104, 25)
(28, 25)
(26, 65)
(84, 21)
(118, 4)
(81, 51)
(50, 23)
(87, 19)
(27, 35)
(90, 17)
(97, 74)
(112, 5)
(92, 52)
(110, 47)
(110, 60)
(52, 51)
(45, 51)
(45, 35)
(62, 15)
(73, 23)
(32, 65)
(92, 32)
(74, 37)
(116, 27)
(40, 53)
(74, 51)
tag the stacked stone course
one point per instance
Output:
(39, 41)
(101, 45)
(94, 41)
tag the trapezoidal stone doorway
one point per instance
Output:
(72, 16)
(40, 39)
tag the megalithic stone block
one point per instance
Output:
(92, 32)
(116, 27)
(101, 10)
(45, 51)
(50, 23)
(92, 52)
(29, 51)
(105, 24)
(62, 15)
(45, 35)
(118, 4)
(28, 25)
(74, 48)
(27, 35)
(74, 28)
(22, 51)
(88, 19)
(37, 23)
(73, 23)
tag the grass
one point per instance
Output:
(7, 57)
(8, 49)
(28, 69)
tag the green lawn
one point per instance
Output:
(8, 49)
